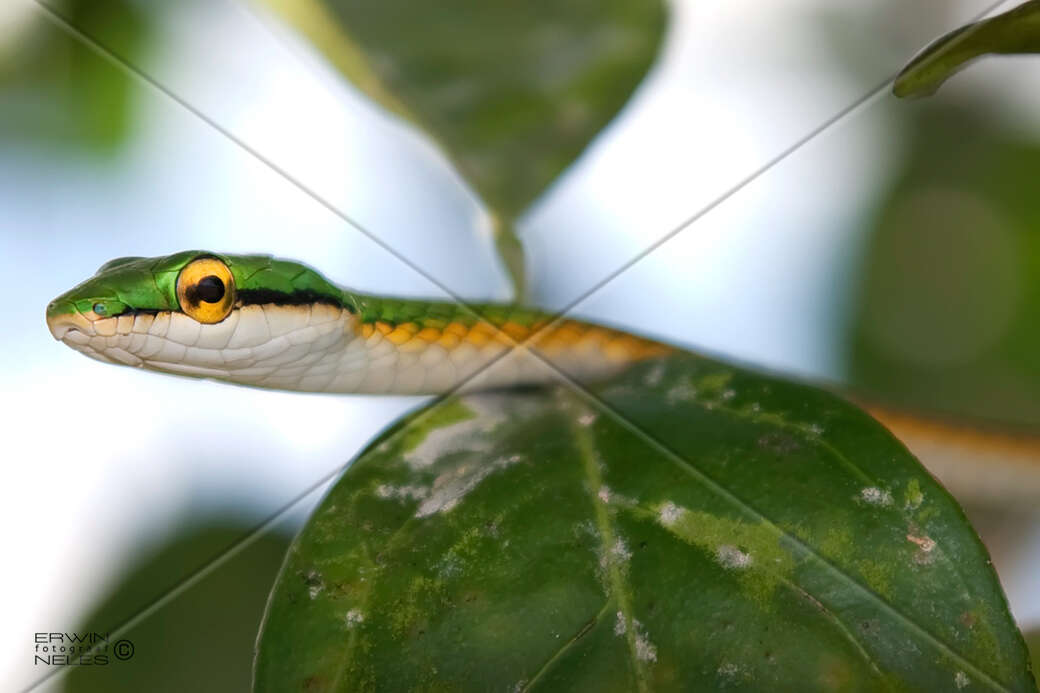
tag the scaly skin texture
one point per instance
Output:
(290, 328)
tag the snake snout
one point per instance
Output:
(62, 323)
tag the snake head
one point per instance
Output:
(121, 287)
(195, 312)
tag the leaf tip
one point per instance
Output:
(937, 62)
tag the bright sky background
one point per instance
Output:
(103, 459)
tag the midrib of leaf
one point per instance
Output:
(619, 588)
(794, 542)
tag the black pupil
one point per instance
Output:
(210, 289)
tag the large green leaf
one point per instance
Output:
(513, 91)
(741, 532)
(1015, 31)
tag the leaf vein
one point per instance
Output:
(796, 544)
(617, 586)
(560, 651)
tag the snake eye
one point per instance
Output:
(206, 290)
(210, 289)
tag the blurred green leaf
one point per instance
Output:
(528, 540)
(1015, 31)
(512, 91)
(201, 641)
(57, 90)
(945, 316)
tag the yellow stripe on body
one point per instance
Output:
(435, 358)
(569, 336)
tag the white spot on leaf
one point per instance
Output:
(727, 670)
(732, 558)
(620, 625)
(354, 617)
(875, 496)
(682, 392)
(654, 376)
(961, 680)
(406, 492)
(619, 552)
(469, 435)
(616, 556)
(645, 650)
(670, 513)
(449, 488)
(450, 566)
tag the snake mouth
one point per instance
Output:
(71, 326)
(99, 337)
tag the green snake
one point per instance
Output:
(261, 321)
(265, 322)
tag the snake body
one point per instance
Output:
(261, 321)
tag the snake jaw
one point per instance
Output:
(64, 325)
(79, 331)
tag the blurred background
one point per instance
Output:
(898, 252)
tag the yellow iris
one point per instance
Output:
(206, 290)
